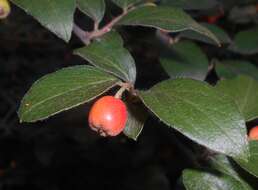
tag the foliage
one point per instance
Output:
(213, 117)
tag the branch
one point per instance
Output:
(86, 37)
(81, 34)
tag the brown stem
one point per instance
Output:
(123, 87)
(86, 37)
(107, 28)
(81, 34)
(120, 92)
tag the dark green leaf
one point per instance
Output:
(125, 3)
(252, 164)
(225, 165)
(222, 163)
(93, 8)
(63, 90)
(109, 54)
(191, 4)
(210, 180)
(246, 42)
(244, 91)
(201, 113)
(216, 30)
(165, 18)
(233, 68)
(189, 61)
(56, 15)
(136, 119)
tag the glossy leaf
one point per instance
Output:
(225, 165)
(189, 61)
(246, 42)
(56, 15)
(222, 163)
(252, 164)
(165, 18)
(190, 4)
(125, 3)
(109, 55)
(63, 90)
(210, 180)
(244, 91)
(232, 68)
(216, 30)
(199, 112)
(137, 116)
(93, 8)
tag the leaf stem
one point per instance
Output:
(123, 87)
(120, 92)
(96, 25)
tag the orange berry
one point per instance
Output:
(108, 116)
(253, 134)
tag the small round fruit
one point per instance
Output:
(253, 134)
(4, 9)
(108, 116)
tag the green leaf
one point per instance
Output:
(137, 116)
(210, 180)
(216, 30)
(244, 91)
(125, 3)
(252, 164)
(165, 18)
(223, 164)
(232, 68)
(190, 4)
(93, 8)
(109, 55)
(246, 42)
(189, 61)
(56, 15)
(199, 112)
(63, 90)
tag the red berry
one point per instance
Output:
(212, 19)
(253, 134)
(108, 116)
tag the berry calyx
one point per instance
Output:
(253, 134)
(108, 116)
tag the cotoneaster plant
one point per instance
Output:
(214, 117)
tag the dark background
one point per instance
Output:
(61, 152)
